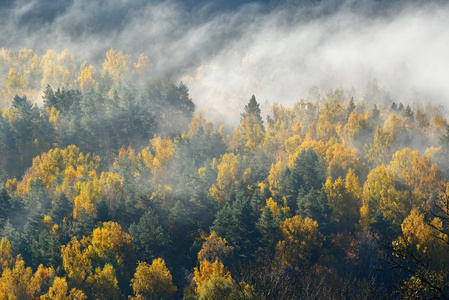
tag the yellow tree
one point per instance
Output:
(103, 284)
(88, 193)
(6, 260)
(59, 290)
(86, 80)
(379, 151)
(214, 248)
(228, 171)
(207, 271)
(53, 164)
(52, 70)
(15, 84)
(339, 159)
(380, 194)
(110, 242)
(421, 251)
(32, 70)
(301, 241)
(116, 65)
(153, 281)
(199, 121)
(143, 65)
(344, 203)
(331, 117)
(75, 261)
(416, 171)
(19, 282)
(356, 129)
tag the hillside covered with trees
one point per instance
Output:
(114, 186)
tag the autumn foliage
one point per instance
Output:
(112, 186)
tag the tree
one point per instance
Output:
(379, 151)
(116, 65)
(215, 248)
(153, 281)
(420, 254)
(103, 284)
(251, 126)
(59, 290)
(268, 225)
(307, 173)
(19, 282)
(252, 111)
(237, 223)
(15, 84)
(380, 193)
(5, 206)
(301, 241)
(227, 173)
(75, 261)
(150, 238)
(351, 107)
(110, 243)
(344, 200)
(61, 208)
(207, 271)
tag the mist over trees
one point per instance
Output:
(238, 149)
(113, 185)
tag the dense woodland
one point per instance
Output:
(113, 186)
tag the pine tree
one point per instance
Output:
(252, 110)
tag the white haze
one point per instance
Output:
(226, 57)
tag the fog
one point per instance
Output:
(226, 55)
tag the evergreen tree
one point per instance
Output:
(61, 208)
(5, 206)
(314, 205)
(350, 108)
(252, 111)
(308, 173)
(150, 238)
(268, 226)
(375, 113)
(236, 222)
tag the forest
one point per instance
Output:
(114, 185)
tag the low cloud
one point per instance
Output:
(225, 56)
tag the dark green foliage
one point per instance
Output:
(252, 111)
(260, 164)
(194, 152)
(171, 105)
(314, 205)
(83, 225)
(409, 113)
(444, 142)
(46, 249)
(102, 211)
(237, 223)
(14, 237)
(8, 149)
(381, 226)
(5, 206)
(37, 200)
(375, 114)
(308, 173)
(350, 108)
(150, 238)
(268, 227)
(61, 208)
(31, 131)
(63, 100)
